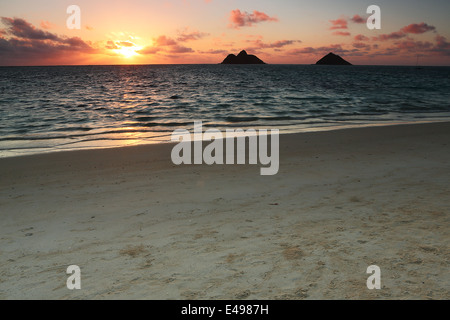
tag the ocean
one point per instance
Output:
(46, 109)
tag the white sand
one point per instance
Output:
(142, 228)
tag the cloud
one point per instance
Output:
(358, 19)
(214, 52)
(244, 19)
(418, 28)
(361, 37)
(339, 24)
(111, 45)
(342, 33)
(414, 28)
(47, 25)
(413, 46)
(164, 44)
(186, 36)
(126, 44)
(22, 29)
(360, 45)
(282, 43)
(25, 44)
(164, 41)
(180, 49)
(277, 44)
(391, 36)
(388, 52)
(342, 23)
(148, 50)
(442, 46)
(336, 48)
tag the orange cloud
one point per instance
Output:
(126, 44)
(164, 41)
(342, 33)
(164, 44)
(244, 19)
(339, 24)
(46, 25)
(111, 45)
(149, 50)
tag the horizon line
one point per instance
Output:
(214, 64)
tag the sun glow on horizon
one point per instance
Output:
(128, 52)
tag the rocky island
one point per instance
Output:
(333, 59)
(242, 58)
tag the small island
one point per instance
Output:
(242, 58)
(333, 60)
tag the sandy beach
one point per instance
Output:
(140, 227)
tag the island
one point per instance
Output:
(242, 58)
(334, 60)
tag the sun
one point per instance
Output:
(128, 52)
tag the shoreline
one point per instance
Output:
(282, 133)
(140, 227)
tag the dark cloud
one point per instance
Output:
(418, 28)
(22, 43)
(22, 29)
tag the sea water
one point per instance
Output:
(46, 109)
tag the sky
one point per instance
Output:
(35, 32)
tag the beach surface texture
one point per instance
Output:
(140, 227)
